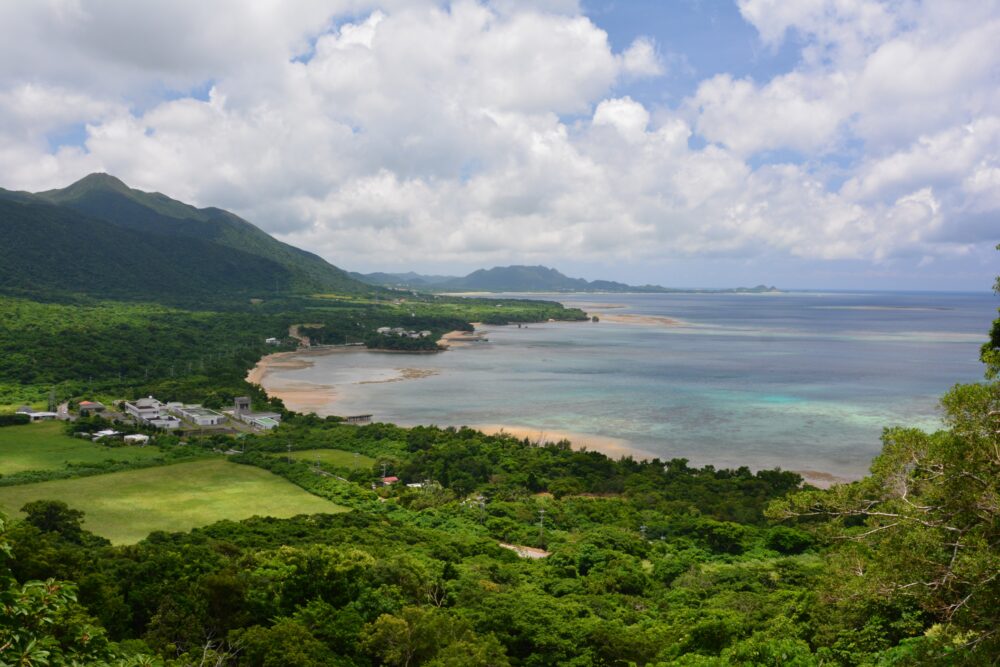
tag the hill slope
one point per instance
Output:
(125, 241)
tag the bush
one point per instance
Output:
(788, 540)
(14, 420)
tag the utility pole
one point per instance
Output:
(289, 452)
(642, 529)
(541, 524)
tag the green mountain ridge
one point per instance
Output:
(126, 242)
(519, 278)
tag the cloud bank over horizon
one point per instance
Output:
(416, 134)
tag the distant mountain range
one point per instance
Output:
(100, 237)
(523, 279)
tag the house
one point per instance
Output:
(105, 434)
(389, 481)
(89, 408)
(272, 341)
(198, 415)
(136, 439)
(383, 330)
(145, 409)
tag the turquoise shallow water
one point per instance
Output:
(804, 381)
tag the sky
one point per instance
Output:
(838, 144)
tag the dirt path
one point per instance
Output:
(295, 331)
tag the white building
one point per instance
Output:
(35, 415)
(136, 439)
(166, 422)
(145, 409)
(198, 415)
(264, 421)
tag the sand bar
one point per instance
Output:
(463, 338)
(625, 318)
(404, 374)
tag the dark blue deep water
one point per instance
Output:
(804, 381)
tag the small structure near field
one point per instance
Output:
(262, 421)
(242, 404)
(36, 415)
(90, 408)
(358, 419)
(136, 439)
(265, 421)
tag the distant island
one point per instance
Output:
(519, 278)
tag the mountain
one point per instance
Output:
(404, 280)
(99, 236)
(525, 279)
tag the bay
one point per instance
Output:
(798, 380)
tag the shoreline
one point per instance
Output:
(306, 397)
(617, 447)
(460, 338)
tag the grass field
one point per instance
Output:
(45, 446)
(334, 457)
(126, 506)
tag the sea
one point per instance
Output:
(803, 381)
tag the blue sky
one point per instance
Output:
(822, 144)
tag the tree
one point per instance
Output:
(42, 623)
(55, 516)
(990, 353)
(925, 526)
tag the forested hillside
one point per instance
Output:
(102, 238)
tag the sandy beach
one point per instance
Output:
(820, 479)
(298, 396)
(617, 447)
(463, 338)
(613, 447)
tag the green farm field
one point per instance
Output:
(334, 457)
(126, 506)
(45, 446)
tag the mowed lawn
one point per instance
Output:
(126, 506)
(334, 457)
(45, 446)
